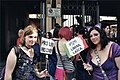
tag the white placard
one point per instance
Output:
(46, 45)
(75, 46)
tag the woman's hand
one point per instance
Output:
(88, 67)
(42, 74)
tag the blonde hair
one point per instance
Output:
(28, 31)
(20, 32)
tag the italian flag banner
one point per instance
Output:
(75, 46)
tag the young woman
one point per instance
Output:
(108, 53)
(23, 68)
(65, 35)
(53, 58)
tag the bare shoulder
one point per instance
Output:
(115, 44)
(12, 51)
(11, 54)
(111, 42)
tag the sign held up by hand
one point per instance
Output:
(46, 45)
(75, 46)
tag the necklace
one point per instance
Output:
(27, 47)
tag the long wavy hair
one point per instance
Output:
(27, 31)
(103, 38)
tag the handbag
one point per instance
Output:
(69, 75)
(98, 61)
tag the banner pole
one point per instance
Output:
(84, 62)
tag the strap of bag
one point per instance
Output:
(62, 61)
(61, 57)
(67, 76)
(98, 61)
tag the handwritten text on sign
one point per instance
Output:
(74, 46)
(46, 45)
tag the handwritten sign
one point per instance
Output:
(75, 46)
(46, 45)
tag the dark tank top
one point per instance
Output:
(25, 65)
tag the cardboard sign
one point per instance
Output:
(75, 46)
(46, 45)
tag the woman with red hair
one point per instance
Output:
(65, 34)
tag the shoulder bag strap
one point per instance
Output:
(60, 56)
(98, 61)
(61, 59)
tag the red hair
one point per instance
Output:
(65, 32)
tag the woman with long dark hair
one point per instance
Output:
(103, 57)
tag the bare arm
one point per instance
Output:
(117, 60)
(10, 64)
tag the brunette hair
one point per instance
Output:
(103, 38)
(65, 32)
(28, 31)
(49, 34)
(55, 32)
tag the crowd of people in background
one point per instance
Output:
(86, 64)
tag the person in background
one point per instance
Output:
(20, 33)
(48, 35)
(81, 73)
(53, 58)
(65, 35)
(23, 68)
(55, 34)
(107, 30)
(56, 25)
(108, 53)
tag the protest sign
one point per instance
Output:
(46, 45)
(75, 46)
